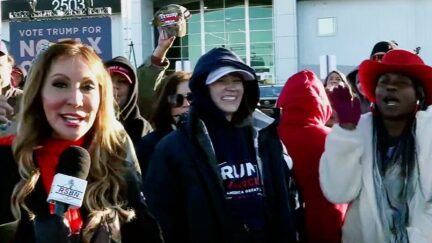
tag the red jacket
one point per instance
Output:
(305, 110)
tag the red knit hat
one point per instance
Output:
(396, 61)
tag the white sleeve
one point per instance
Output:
(340, 169)
(424, 151)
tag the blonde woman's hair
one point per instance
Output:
(106, 142)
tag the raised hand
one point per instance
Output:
(163, 45)
(346, 105)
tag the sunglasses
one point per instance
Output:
(177, 100)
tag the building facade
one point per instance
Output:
(247, 27)
(276, 37)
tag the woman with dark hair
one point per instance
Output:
(173, 101)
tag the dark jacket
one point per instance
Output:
(136, 126)
(143, 228)
(146, 146)
(183, 186)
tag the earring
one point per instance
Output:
(417, 108)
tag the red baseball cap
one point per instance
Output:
(121, 70)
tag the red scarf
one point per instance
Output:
(47, 158)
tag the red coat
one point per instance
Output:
(305, 110)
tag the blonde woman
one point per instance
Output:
(68, 100)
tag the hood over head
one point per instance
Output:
(122, 65)
(211, 64)
(304, 100)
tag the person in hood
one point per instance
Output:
(125, 87)
(380, 162)
(222, 176)
(305, 110)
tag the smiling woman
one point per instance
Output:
(222, 135)
(69, 101)
(70, 97)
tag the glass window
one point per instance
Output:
(261, 24)
(184, 41)
(213, 15)
(194, 54)
(224, 25)
(261, 48)
(234, 13)
(194, 39)
(215, 39)
(235, 25)
(236, 37)
(261, 36)
(213, 4)
(260, 12)
(234, 3)
(326, 26)
(195, 16)
(184, 52)
(260, 2)
(257, 61)
(193, 28)
(214, 26)
(262, 61)
(239, 49)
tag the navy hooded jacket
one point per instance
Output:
(183, 186)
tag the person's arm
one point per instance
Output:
(151, 73)
(340, 169)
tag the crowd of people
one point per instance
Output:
(188, 157)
